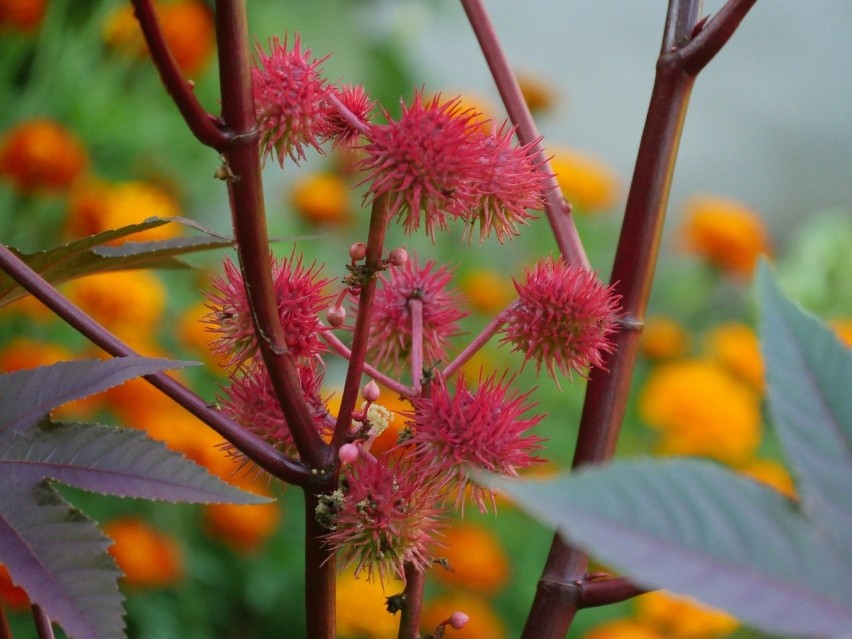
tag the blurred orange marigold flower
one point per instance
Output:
(243, 527)
(476, 559)
(187, 28)
(663, 338)
(21, 15)
(538, 93)
(587, 182)
(322, 198)
(483, 623)
(361, 609)
(700, 409)
(772, 474)
(95, 206)
(736, 347)
(147, 557)
(842, 327)
(623, 629)
(11, 595)
(487, 291)
(41, 155)
(683, 618)
(724, 232)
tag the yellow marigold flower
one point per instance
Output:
(772, 474)
(21, 15)
(623, 629)
(129, 303)
(842, 327)
(41, 155)
(736, 347)
(147, 557)
(187, 28)
(663, 338)
(361, 609)
(322, 198)
(483, 623)
(243, 527)
(724, 232)
(587, 182)
(476, 559)
(683, 618)
(700, 409)
(538, 93)
(29, 307)
(487, 291)
(95, 206)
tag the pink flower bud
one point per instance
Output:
(371, 391)
(458, 620)
(336, 315)
(398, 256)
(348, 453)
(358, 251)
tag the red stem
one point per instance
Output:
(44, 629)
(342, 350)
(603, 592)
(267, 457)
(320, 573)
(248, 216)
(372, 261)
(202, 124)
(409, 623)
(415, 307)
(556, 207)
(478, 342)
(558, 596)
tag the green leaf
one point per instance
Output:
(59, 557)
(28, 395)
(87, 256)
(695, 528)
(808, 373)
(111, 461)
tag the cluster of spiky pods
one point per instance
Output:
(435, 163)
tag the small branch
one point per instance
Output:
(347, 115)
(409, 623)
(704, 46)
(478, 342)
(609, 590)
(320, 573)
(202, 124)
(415, 307)
(267, 457)
(557, 209)
(351, 387)
(341, 349)
(249, 221)
(5, 629)
(44, 628)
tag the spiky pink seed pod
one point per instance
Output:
(348, 453)
(358, 251)
(398, 256)
(338, 128)
(458, 620)
(336, 315)
(371, 391)
(289, 97)
(563, 319)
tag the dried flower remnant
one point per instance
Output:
(563, 318)
(300, 299)
(473, 429)
(390, 330)
(289, 95)
(425, 161)
(387, 516)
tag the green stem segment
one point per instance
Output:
(560, 590)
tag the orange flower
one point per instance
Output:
(187, 28)
(21, 15)
(11, 595)
(147, 557)
(361, 609)
(538, 93)
(623, 629)
(487, 291)
(197, 336)
(41, 155)
(772, 474)
(700, 409)
(842, 327)
(476, 559)
(724, 232)
(30, 308)
(95, 206)
(483, 623)
(683, 618)
(244, 528)
(663, 338)
(322, 198)
(736, 347)
(587, 182)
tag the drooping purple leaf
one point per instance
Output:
(809, 373)
(59, 557)
(111, 461)
(28, 395)
(695, 528)
(89, 255)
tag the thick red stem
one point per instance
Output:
(409, 623)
